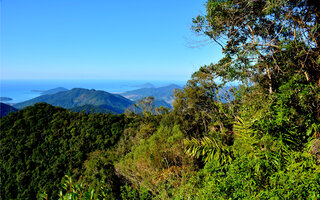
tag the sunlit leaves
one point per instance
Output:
(209, 149)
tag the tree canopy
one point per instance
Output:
(262, 40)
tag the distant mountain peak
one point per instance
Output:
(172, 85)
(165, 93)
(78, 97)
(145, 85)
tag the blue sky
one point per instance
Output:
(102, 39)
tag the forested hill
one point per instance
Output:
(91, 109)
(6, 109)
(80, 97)
(41, 144)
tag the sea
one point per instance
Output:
(22, 90)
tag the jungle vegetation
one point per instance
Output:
(263, 143)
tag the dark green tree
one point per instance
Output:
(273, 48)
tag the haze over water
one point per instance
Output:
(22, 90)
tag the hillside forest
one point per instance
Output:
(258, 140)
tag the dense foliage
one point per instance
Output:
(259, 140)
(40, 144)
(91, 109)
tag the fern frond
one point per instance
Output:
(209, 149)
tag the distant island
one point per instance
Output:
(51, 91)
(5, 99)
(54, 91)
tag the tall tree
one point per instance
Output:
(264, 40)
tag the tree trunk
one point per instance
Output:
(270, 80)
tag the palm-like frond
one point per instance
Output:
(261, 148)
(209, 149)
(241, 126)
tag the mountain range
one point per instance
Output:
(98, 101)
(165, 93)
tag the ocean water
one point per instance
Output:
(22, 90)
